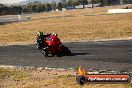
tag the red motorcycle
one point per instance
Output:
(52, 45)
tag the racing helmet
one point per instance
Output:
(55, 34)
(40, 33)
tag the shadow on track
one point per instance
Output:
(76, 54)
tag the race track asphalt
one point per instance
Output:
(107, 55)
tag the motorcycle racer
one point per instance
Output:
(41, 37)
(51, 44)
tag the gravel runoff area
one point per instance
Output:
(33, 77)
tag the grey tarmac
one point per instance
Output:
(101, 55)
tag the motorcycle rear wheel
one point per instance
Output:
(65, 51)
